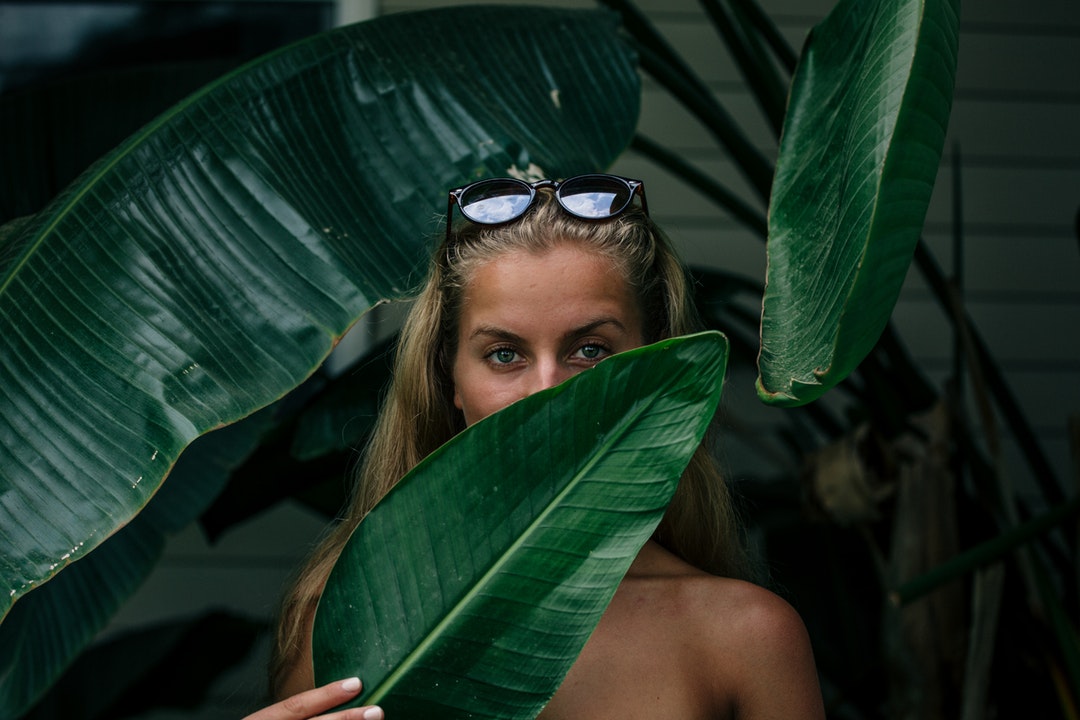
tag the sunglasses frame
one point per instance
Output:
(634, 187)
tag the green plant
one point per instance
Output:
(844, 218)
(208, 265)
(539, 510)
(900, 428)
(241, 450)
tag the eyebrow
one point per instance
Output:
(494, 331)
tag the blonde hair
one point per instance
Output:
(418, 414)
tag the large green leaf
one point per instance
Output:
(862, 140)
(210, 263)
(472, 587)
(44, 632)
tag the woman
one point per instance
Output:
(544, 280)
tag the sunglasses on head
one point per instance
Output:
(499, 200)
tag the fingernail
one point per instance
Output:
(350, 685)
(373, 714)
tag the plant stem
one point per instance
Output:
(1014, 417)
(984, 553)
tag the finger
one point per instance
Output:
(312, 703)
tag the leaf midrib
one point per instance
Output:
(412, 659)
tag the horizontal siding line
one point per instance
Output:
(200, 561)
(799, 22)
(722, 221)
(1019, 97)
(942, 363)
(1012, 162)
(721, 87)
(695, 16)
(803, 23)
(674, 224)
(795, 20)
(1034, 30)
(960, 94)
(706, 153)
(1008, 96)
(1052, 231)
(1003, 297)
(1045, 431)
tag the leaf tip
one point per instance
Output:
(795, 395)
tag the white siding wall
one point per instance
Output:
(1016, 128)
(1016, 123)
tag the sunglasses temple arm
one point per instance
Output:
(450, 201)
(641, 191)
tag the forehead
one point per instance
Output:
(561, 280)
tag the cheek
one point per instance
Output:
(476, 398)
(469, 395)
(455, 381)
(472, 402)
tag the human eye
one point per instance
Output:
(502, 356)
(592, 352)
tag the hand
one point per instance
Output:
(307, 705)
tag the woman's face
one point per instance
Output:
(528, 322)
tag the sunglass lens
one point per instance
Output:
(495, 201)
(595, 196)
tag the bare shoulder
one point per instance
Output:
(733, 613)
(762, 645)
(755, 619)
(750, 645)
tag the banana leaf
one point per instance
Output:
(863, 136)
(471, 588)
(210, 263)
